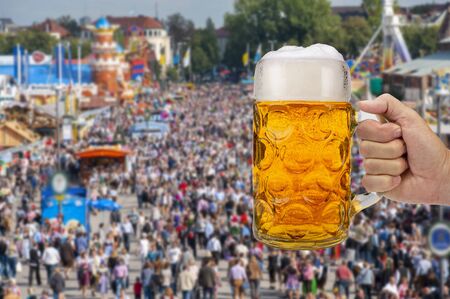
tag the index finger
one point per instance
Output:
(374, 131)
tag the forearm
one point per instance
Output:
(444, 190)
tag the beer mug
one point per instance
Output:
(302, 135)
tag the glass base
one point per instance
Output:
(305, 244)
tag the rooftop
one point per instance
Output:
(141, 21)
(422, 66)
(51, 26)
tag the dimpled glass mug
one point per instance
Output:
(302, 133)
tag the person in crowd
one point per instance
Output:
(57, 283)
(238, 278)
(344, 277)
(214, 247)
(67, 253)
(50, 259)
(391, 289)
(120, 275)
(84, 273)
(103, 280)
(366, 280)
(273, 268)
(137, 288)
(34, 264)
(207, 279)
(187, 282)
(254, 275)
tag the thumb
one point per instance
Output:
(391, 108)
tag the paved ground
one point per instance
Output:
(129, 202)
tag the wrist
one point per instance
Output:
(444, 190)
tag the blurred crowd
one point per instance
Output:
(191, 215)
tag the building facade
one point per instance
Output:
(152, 30)
(53, 28)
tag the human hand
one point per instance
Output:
(403, 158)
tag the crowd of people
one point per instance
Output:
(190, 215)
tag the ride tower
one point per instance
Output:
(106, 63)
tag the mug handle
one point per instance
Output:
(366, 200)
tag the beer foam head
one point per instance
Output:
(314, 73)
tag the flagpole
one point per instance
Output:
(79, 65)
(19, 66)
(25, 69)
(248, 61)
(190, 65)
(272, 43)
(60, 61)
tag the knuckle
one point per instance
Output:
(364, 148)
(366, 182)
(387, 97)
(403, 165)
(369, 165)
(362, 129)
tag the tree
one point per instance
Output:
(302, 22)
(172, 74)
(357, 34)
(205, 49)
(119, 37)
(179, 28)
(85, 47)
(70, 25)
(374, 9)
(31, 40)
(421, 40)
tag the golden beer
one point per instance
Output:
(301, 172)
(302, 132)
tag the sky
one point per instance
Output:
(25, 12)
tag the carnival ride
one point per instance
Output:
(101, 156)
(375, 58)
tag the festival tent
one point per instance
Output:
(104, 204)
(146, 127)
(73, 208)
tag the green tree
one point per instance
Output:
(85, 47)
(119, 37)
(172, 74)
(70, 25)
(302, 22)
(179, 28)
(421, 40)
(374, 9)
(205, 50)
(31, 40)
(357, 34)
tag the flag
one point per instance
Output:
(176, 59)
(245, 58)
(162, 59)
(187, 58)
(69, 62)
(257, 54)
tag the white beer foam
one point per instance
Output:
(317, 51)
(314, 73)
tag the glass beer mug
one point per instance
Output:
(302, 126)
